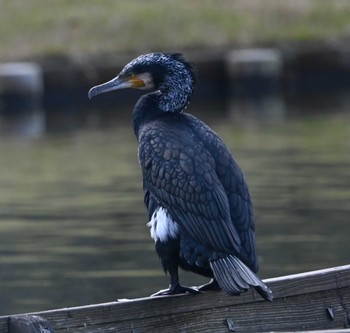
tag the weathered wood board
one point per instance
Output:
(318, 300)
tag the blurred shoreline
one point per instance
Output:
(311, 77)
(308, 69)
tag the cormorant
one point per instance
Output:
(199, 206)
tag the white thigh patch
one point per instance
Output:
(162, 226)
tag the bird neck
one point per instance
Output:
(166, 101)
(175, 94)
(145, 110)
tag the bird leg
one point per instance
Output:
(175, 287)
(211, 286)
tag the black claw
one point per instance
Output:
(177, 289)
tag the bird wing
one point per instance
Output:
(179, 172)
(235, 186)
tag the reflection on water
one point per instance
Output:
(24, 122)
(72, 221)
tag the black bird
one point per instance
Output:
(199, 206)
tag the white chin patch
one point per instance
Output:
(147, 79)
(162, 226)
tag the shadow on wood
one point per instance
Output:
(318, 300)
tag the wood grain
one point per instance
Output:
(309, 301)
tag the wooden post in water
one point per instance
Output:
(254, 76)
(21, 92)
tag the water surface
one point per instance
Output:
(73, 226)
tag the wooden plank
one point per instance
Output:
(302, 301)
(28, 324)
(339, 330)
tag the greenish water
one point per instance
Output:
(73, 226)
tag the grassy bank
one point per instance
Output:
(72, 27)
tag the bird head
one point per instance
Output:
(154, 71)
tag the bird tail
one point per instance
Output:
(235, 277)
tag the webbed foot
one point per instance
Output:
(211, 286)
(177, 289)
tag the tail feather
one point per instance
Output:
(241, 282)
(226, 283)
(235, 277)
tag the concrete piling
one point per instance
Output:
(21, 93)
(255, 83)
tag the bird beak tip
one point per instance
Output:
(90, 94)
(93, 92)
(114, 84)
